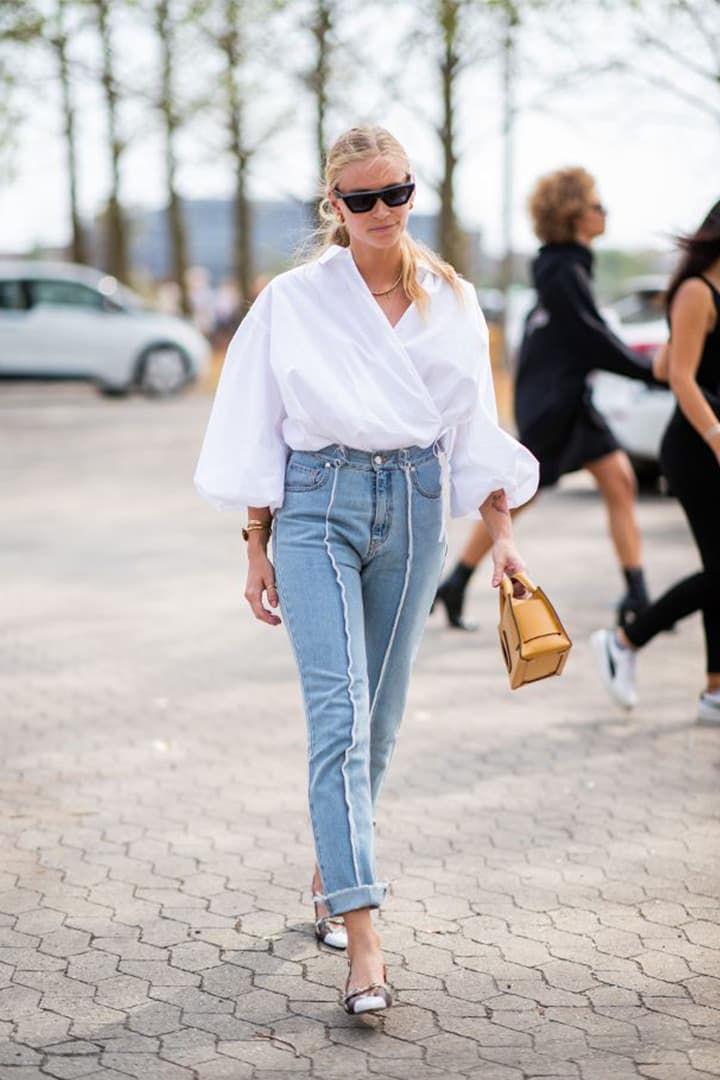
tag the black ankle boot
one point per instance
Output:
(451, 593)
(635, 600)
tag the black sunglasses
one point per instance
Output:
(360, 202)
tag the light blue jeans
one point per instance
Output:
(358, 546)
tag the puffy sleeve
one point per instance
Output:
(483, 458)
(243, 456)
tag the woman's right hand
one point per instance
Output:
(261, 579)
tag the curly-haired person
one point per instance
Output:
(565, 339)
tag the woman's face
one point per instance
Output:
(591, 222)
(382, 226)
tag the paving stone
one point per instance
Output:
(16, 901)
(144, 1066)
(188, 1047)
(450, 1051)
(16, 1002)
(195, 956)
(227, 981)
(697, 1015)
(121, 992)
(704, 933)
(19, 1072)
(223, 1068)
(336, 1062)
(106, 1074)
(158, 973)
(264, 1053)
(40, 921)
(191, 1000)
(67, 1068)
(704, 990)
(16, 1055)
(93, 966)
(222, 1024)
(120, 1041)
(154, 1018)
(705, 1059)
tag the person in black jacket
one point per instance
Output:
(565, 339)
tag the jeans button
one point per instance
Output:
(377, 459)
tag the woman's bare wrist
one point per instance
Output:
(257, 543)
(495, 513)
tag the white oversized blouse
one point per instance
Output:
(316, 362)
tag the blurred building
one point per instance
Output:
(278, 228)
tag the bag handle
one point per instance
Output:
(507, 586)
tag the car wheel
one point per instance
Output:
(162, 370)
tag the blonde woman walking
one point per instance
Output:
(349, 377)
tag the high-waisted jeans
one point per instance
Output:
(358, 546)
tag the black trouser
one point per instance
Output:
(693, 473)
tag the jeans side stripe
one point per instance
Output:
(403, 594)
(351, 681)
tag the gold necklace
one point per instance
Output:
(386, 292)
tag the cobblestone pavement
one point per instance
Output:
(554, 908)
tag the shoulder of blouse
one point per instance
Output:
(280, 285)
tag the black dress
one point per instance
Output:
(565, 339)
(693, 472)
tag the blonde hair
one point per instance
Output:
(557, 201)
(361, 144)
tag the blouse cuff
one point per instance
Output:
(469, 488)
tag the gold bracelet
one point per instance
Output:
(711, 432)
(256, 526)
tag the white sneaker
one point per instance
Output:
(616, 666)
(709, 708)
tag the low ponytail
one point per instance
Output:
(359, 144)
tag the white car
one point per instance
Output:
(62, 321)
(637, 413)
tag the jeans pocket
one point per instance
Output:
(301, 477)
(426, 478)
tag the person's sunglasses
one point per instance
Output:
(360, 202)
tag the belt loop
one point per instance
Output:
(404, 458)
(436, 448)
(341, 458)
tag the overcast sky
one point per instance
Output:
(656, 158)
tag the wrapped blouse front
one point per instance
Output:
(315, 362)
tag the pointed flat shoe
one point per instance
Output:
(372, 998)
(329, 929)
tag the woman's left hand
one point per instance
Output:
(506, 560)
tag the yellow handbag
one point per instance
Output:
(534, 642)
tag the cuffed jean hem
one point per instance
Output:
(361, 896)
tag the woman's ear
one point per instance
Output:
(335, 204)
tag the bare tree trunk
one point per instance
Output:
(243, 226)
(117, 256)
(511, 20)
(319, 77)
(231, 45)
(59, 44)
(450, 238)
(176, 225)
